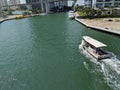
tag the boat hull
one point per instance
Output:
(95, 55)
(71, 15)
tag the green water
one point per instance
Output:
(41, 53)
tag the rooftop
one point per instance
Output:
(93, 42)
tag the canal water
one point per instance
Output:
(41, 53)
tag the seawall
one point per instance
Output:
(98, 28)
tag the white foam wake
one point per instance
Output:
(109, 67)
(111, 72)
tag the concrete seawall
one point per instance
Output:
(11, 17)
(98, 28)
(8, 18)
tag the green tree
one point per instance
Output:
(9, 12)
(89, 11)
(73, 6)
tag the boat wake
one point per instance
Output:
(110, 68)
(111, 72)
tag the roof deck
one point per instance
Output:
(94, 42)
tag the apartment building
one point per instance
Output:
(46, 5)
(2, 4)
(102, 3)
(13, 2)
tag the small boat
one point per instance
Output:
(43, 14)
(71, 15)
(71, 11)
(20, 16)
(94, 48)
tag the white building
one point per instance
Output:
(80, 2)
(46, 5)
(13, 4)
(102, 3)
(2, 4)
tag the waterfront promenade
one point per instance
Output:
(110, 25)
(10, 17)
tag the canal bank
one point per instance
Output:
(6, 19)
(107, 30)
(41, 53)
(12, 17)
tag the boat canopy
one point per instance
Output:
(71, 11)
(93, 42)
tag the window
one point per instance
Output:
(99, 1)
(108, 4)
(117, 0)
(98, 5)
(117, 4)
(108, 0)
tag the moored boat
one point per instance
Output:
(71, 15)
(94, 48)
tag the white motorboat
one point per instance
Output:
(71, 15)
(94, 48)
(43, 14)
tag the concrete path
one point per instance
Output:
(98, 28)
(8, 18)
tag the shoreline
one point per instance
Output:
(1, 21)
(12, 17)
(95, 27)
(93, 24)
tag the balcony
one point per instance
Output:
(108, 0)
(117, 5)
(99, 0)
(117, 0)
(99, 5)
(107, 5)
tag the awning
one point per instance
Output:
(94, 42)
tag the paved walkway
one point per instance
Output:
(98, 28)
(10, 17)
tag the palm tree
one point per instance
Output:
(102, 10)
(111, 9)
(89, 11)
(73, 6)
